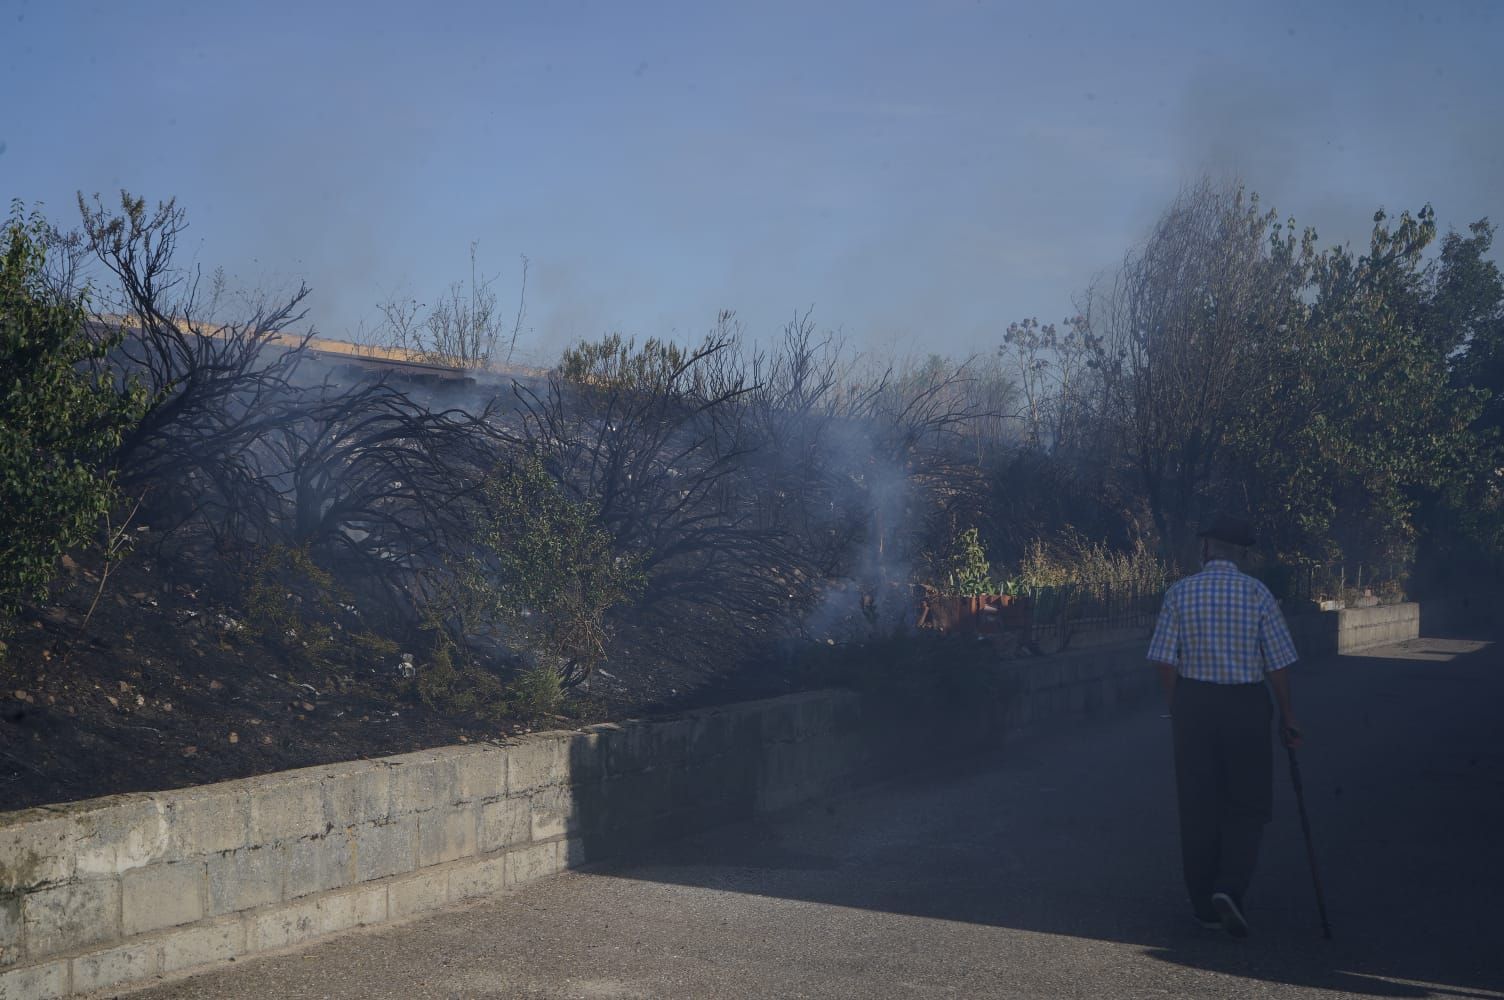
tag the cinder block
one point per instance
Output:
(383, 849)
(72, 915)
(10, 929)
(780, 719)
(446, 835)
(422, 781)
(480, 774)
(746, 731)
(812, 715)
(528, 864)
(417, 894)
(504, 824)
(725, 784)
(572, 853)
(355, 908)
(484, 877)
(712, 734)
(37, 847)
(116, 967)
(638, 800)
(286, 808)
(847, 707)
(681, 789)
(192, 946)
(357, 792)
(245, 878)
(671, 741)
(119, 833)
(205, 821)
(628, 748)
(317, 864)
(585, 758)
(554, 813)
(538, 762)
(161, 896)
(285, 926)
(37, 982)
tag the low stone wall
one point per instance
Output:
(1365, 628)
(1478, 607)
(113, 890)
(1321, 633)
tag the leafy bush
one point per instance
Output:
(970, 572)
(286, 593)
(542, 578)
(60, 421)
(536, 692)
(458, 687)
(1093, 568)
(556, 574)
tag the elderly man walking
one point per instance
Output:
(1219, 637)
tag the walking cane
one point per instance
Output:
(1305, 826)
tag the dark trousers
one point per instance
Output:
(1224, 777)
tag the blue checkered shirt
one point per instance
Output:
(1222, 626)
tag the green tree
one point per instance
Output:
(1317, 389)
(62, 414)
(1183, 340)
(1464, 523)
(1360, 422)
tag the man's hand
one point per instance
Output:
(1290, 733)
(1167, 683)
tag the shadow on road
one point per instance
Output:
(1072, 834)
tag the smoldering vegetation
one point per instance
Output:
(741, 497)
(511, 524)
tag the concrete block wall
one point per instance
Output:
(110, 891)
(1083, 683)
(1365, 628)
(1471, 609)
(1321, 633)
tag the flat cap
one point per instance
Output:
(1233, 530)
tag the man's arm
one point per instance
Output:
(1279, 683)
(1163, 649)
(1279, 652)
(1167, 681)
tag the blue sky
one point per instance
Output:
(920, 173)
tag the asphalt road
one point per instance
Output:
(1052, 872)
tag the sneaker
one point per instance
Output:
(1233, 921)
(1208, 923)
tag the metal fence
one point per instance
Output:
(1059, 612)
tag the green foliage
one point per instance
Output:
(1093, 568)
(617, 363)
(1356, 418)
(60, 421)
(458, 688)
(969, 573)
(536, 692)
(1330, 393)
(1466, 319)
(557, 573)
(370, 644)
(290, 599)
(543, 578)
